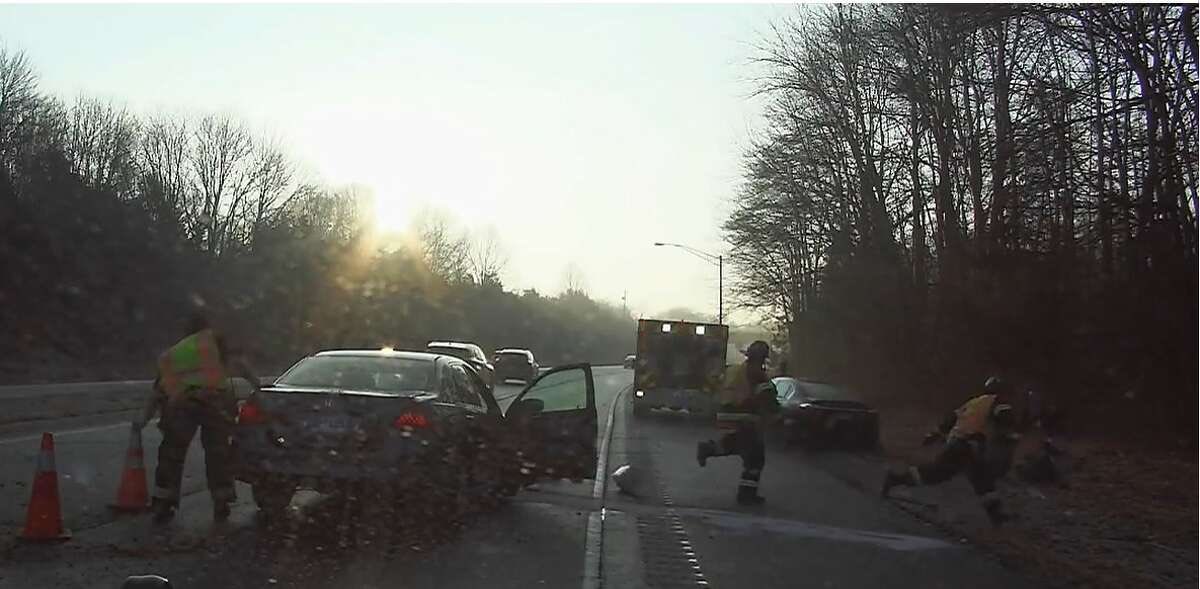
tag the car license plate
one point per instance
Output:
(330, 425)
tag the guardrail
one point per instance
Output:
(24, 403)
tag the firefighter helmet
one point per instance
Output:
(759, 350)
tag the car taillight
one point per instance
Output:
(251, 414)
(413, 419)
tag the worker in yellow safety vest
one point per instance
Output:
(193, 391)
(746, 399)
(978, 440)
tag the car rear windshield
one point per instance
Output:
(512, 358)
(460, 353)
(361, 373)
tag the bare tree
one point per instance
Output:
(573, 281)
(271, 185)
(446, 251)
(18, 100)
(100, 144)
(487, 258)
(168, 182)
(222, 159)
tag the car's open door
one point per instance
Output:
(555, 417)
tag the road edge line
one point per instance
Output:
(601, 484)
(593, 551)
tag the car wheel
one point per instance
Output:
(273, 496)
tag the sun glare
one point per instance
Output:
(389, 215)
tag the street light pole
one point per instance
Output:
(716, 260)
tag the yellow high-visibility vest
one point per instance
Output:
(193, 363)
(974, 417)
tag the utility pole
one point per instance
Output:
(624, 302)
(714, 259)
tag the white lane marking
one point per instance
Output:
(753, 524)
(66, 432)
(602, 456)
(593, 549)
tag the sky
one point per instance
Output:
(581, 133)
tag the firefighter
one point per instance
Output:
(746, 398)
(986, 420)
(193, 391)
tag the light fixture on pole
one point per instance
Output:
(714, 259)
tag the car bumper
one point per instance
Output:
(255, 458)
(690, 400)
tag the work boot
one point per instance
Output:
(704, 451)
(891, 479)
(163, 510)
(749, 496)
(221, 511)
(996, 513)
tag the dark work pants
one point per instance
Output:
(212, 414)
(746, 441)
(959, 455)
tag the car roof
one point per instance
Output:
(404, 354)
(513, 351)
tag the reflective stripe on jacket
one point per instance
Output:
(193, 363)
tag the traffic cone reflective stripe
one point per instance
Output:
(43, 520)
(132, 495)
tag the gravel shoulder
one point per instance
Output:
(1118, 517)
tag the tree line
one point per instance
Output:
(113, 224)
(947, 191)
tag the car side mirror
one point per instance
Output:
(526, 408)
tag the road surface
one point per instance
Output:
(680, 528)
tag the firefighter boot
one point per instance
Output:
(704, 451)
(995, 512)
(748, 495)
(162, 509)
(892, 478)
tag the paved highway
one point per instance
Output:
(679, 528)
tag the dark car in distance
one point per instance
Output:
(472, 353)
(515, 364)
(413, 423)
(824, 415)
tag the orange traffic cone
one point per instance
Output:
(132, 495)
(43, 522)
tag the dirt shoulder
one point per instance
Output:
(1121, 516)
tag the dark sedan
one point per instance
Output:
(822, 414)
(411, 422)
(515, 364)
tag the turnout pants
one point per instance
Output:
(957, 456)
(212, 413)
(745, 441)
